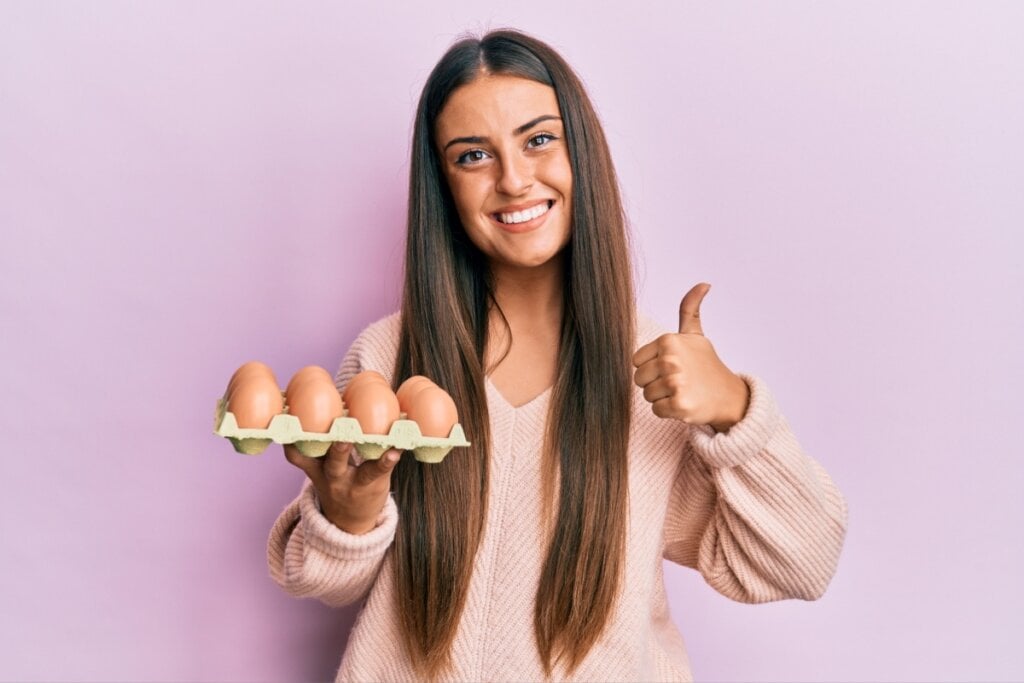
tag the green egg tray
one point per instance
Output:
(286, 429)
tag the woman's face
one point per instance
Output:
(503, 150)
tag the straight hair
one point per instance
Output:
(447, 301)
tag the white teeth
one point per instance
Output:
(523, 216)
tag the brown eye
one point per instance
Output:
(470, 157)
(540, 140)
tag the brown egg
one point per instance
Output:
(434, 411)
(410, 388)
(315, 401)
(251, 369)
(255, 400)
(363, 377)
(314, 372)
(374, 405)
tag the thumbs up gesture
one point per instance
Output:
(682, 376)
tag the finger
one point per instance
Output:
(664, 408)
(311, 466)
(338, 460)
(647, 373)
(689, 309)
(645, 353)
(372, 470)
(657, 390)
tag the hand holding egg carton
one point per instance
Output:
(311, 414)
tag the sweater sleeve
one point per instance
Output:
(308, 555)
(311, 558)
(758, 518)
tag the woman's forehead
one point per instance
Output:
(495, 104)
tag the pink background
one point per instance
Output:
(185, 186)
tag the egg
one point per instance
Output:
(255, 400)
(410, 388)
(363, 377)
(374, 405)
(253, 368)
(314, 400)
(434, 411)
(310, 372)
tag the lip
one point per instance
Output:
(529, 225)
(520, 207)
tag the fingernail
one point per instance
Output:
(392, 456)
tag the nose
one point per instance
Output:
(516, 175)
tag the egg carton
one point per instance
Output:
(286, 429)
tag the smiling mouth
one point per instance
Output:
(525, 215)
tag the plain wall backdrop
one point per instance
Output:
(186, 186)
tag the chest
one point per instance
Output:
(527, 369)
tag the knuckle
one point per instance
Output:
(670, 364)
(334, 468)
(686, 409)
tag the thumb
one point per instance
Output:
(689, 309)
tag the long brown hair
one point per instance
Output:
(444, 323)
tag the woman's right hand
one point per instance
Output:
(351, 496)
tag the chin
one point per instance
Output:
(530, 260)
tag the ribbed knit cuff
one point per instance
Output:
(746, 438)
(321, 534)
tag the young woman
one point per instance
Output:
(601, 444)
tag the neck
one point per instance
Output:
(530, 297)
(531, 304)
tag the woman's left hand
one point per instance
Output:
(683, 377)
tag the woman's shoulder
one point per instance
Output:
(375, 348)
(384, 328)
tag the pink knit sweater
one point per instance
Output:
(747, 509)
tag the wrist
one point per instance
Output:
(737, 406)
(346, 522)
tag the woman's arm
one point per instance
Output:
(757, 517)
(311, 557)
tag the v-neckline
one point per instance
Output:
(507, 404)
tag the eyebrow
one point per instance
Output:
(476, 139)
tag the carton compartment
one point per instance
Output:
(286, 429)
